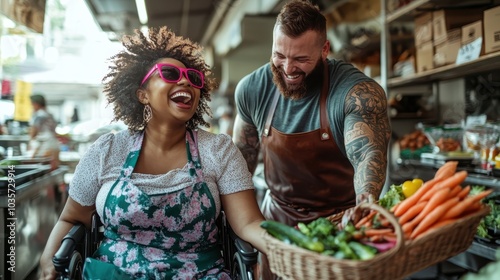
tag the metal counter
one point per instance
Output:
(26, 224)
(15, 142)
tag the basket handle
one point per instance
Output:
(392, 219)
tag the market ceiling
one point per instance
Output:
(195, 19)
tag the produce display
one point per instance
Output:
(414, 140)
(489, 227)
(413, 144)
(445, 138)
(488, 272)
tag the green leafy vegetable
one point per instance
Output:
(392, 197)
(476, 189)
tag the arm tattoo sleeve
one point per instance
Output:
(246, 138)
(366, 134)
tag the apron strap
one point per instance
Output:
(323, 116)
(132, 157)
(270, 115)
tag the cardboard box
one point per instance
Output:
(423, 29)
(472, 32)
(447, 52)
(445, 20)
(492, 30)
(425, 57)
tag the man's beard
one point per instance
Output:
(298, 91)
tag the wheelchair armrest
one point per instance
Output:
(247, 252)
(63, 255)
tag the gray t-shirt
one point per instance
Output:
(255, 92)
(224, 169)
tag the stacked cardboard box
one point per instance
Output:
(450, 35)
(492, 30)
(444, 21)
(447, 51)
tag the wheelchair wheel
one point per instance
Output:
(239, 270)
(76, 266)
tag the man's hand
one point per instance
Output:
(356, 213)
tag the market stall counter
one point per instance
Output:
(30, 205)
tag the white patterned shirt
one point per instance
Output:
(224, 169)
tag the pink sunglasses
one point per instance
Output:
(172, 74)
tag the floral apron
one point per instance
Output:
(166, 236)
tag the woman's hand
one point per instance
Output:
(47, 270)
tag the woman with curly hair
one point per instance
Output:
(159, 187)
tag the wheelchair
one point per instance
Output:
(239, 256)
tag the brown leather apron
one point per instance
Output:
(306, 173)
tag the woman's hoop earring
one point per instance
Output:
(147, 114)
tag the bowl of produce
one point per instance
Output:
(444, 139)
(413, 144)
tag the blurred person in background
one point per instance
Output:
(225, 120)
(159, 186)
(44, 142)
(321, 125)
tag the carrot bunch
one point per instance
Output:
(438, 202)
(375, 227)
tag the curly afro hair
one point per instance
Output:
(129, 66)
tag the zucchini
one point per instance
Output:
(364, 252)
(283, 232)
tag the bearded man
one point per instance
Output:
(321, 124)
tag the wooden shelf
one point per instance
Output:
(482, 64)
(409, 11)
(406, 11)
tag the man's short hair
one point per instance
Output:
(38, 99)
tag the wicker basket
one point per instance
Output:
(292, 262)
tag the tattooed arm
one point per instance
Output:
(246, 138)
(366, 135)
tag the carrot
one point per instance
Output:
(471, 209)
(376, 238)
(437, 225)
(377, 231)
(437, 199)
(383, 221)
(481, 195)
(383, 237)
(464, 192)
(412, 200)
(433, 216)
(455, 191)
(455, 179)
(407, 229)
(366, 220)
(450, 182)
(412, 212)
(391, 238)
(446, 170)
(466, 204)
(393, 208)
